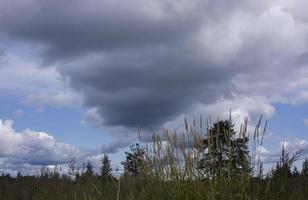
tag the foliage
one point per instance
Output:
(134, 160)
(106, 169)
(305, 167)
(87, 171)
(72, 171)
(223, 152)
(284, 165)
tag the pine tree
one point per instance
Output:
(72, 168)
(106, 169)
(223, 152)
(89, 172)
(134, 160)
(305, 167)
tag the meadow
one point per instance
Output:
(206, 161)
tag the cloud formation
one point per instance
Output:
(53, 99)
(144, 63)
(33, 147)
(30, 149)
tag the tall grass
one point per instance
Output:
(170, 169)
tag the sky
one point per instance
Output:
(79, 78)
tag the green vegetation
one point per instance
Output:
(106, 169)
(208, 162)
(134, 160)
(223, 152)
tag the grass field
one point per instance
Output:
(204, 162)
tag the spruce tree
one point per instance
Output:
(89, 170)
(134, 160)
(305, 167)
(106, 169)
(223, 152)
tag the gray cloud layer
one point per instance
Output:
(142, 63)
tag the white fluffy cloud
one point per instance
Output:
(29, 149)
(32, 146)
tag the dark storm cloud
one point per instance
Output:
(144, 88)
(71, 28)
(140, 72)
(142, 63)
